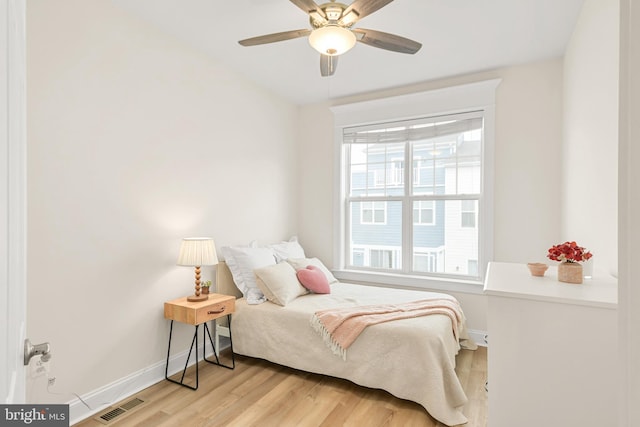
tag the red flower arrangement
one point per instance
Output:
(569, 252)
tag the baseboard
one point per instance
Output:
(479, 337)
(103, 397)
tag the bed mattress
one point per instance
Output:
(412, 358)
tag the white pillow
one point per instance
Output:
(279, 283)
(242, 261)
(300, 263)
(290, 249)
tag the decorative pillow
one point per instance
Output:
(300, 263)
(279, 283)
(241, 262)
(314, 279)
(290, 249)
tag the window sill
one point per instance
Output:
(410, 282)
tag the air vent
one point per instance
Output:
(131, 404)
(112, 414)
(116, 413)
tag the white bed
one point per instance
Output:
(412, 358)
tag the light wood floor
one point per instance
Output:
(259, 393)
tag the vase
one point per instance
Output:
(537, 268)
(570, 272)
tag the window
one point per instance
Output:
(446, 152)
(415, 187)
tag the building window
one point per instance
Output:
(428, 260)
(424, 212)
(468, 213)
(381, 258)
(373, 213)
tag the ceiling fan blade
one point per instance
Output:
(275, 37)
(328, 65)
(309, 6)
(361, 8)
(386, 41)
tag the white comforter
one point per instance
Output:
(412, 359)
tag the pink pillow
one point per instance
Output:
(314, 279)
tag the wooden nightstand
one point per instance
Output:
(199, 313)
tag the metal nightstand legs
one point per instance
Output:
(194, 341)
(215, 352)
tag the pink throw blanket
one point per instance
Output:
(340, 327)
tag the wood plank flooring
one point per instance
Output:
(259, 393)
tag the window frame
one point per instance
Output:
(452, 100)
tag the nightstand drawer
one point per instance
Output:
(215, 311)
(196, 313)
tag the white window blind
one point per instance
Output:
(412, 130)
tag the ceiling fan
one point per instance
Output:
(331, 32)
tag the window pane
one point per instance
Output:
(448, 247)
(377, 169)
(429, 240)
(447, 164)
(469, 175)
(376, 245)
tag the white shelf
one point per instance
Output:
(514, 281)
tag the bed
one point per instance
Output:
(413, 358)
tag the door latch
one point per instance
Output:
(30, 350)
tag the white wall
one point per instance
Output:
(528, 133)
(134, 142)
(590, 152)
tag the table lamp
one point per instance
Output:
(196, 252)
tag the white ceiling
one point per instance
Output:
(458, 37)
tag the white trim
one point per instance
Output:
(479, 337)
(404, 281)
(450, 100)
(628, 212)
(13, 190)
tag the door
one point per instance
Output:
(12, 200)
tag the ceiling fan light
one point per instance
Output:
(332, 40)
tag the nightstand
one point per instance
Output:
(196, 314)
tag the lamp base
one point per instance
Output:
(197, 298)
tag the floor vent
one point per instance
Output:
(132, 404)
(116, 413)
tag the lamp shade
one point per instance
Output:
(197, 251)
(332, 40)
